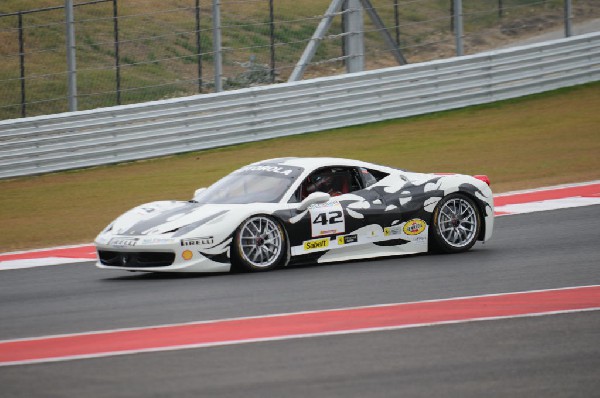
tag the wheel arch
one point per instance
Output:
(288, 246)
(480, 210)
(287, 255)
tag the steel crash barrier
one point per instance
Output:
(73, 140)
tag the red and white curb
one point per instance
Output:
(549, 198)
(45, 257)
(297, 325)
(517, 202)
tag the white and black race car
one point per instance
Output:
(279, 211)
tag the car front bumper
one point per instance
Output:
(158, 257)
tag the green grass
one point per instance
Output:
(244, 35)
(539, 140)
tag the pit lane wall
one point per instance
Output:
(110, 135)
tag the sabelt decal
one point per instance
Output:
(414, 227)
(123, 242)
(197, 241)
(346, 239)
(316, 244)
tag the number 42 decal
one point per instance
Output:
(327, 220)
(335, 217)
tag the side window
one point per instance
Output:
(332, 180)
(371, 177)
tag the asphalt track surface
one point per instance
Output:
(552, 355)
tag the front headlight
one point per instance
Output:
(108, 228)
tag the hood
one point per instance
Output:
(173, 217)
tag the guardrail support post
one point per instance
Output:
(71, 63)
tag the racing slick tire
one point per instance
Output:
(456, 223)
(258, 244)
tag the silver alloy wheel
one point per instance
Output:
(260, 241)
(457, 222)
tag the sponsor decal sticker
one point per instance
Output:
(197, 241)
(392, 231)
(187, 255)
(123, 242)
(156, 241)
(272, 169)
(326, 204)
(346, 239)
(316, 244)
(329, 232)
(414, 227)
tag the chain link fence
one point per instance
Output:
(131, 51)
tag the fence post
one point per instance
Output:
(383, 31)
(198, 46)
(397, 22)
(117, 57)
(71, 63)
(458, 27)
(216, 11)
(22, 65)
(354, 41)
(272, 34)
(567, 16)
(451, 15)
(311, 47)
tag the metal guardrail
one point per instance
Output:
(109, 135)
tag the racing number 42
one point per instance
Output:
(327, 221)
(335, 217)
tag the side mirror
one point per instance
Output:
(198, 192)
(313, 199)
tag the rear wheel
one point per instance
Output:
(258, 244)
(456, 224)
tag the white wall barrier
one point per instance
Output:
(109, 135)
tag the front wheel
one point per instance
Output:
(456, 224)
(258, 244)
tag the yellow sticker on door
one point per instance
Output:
(316, 244)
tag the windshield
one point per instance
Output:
(264, 183)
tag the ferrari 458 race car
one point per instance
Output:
(279, 211)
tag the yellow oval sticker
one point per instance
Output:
(187, 255)
(414, 227)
